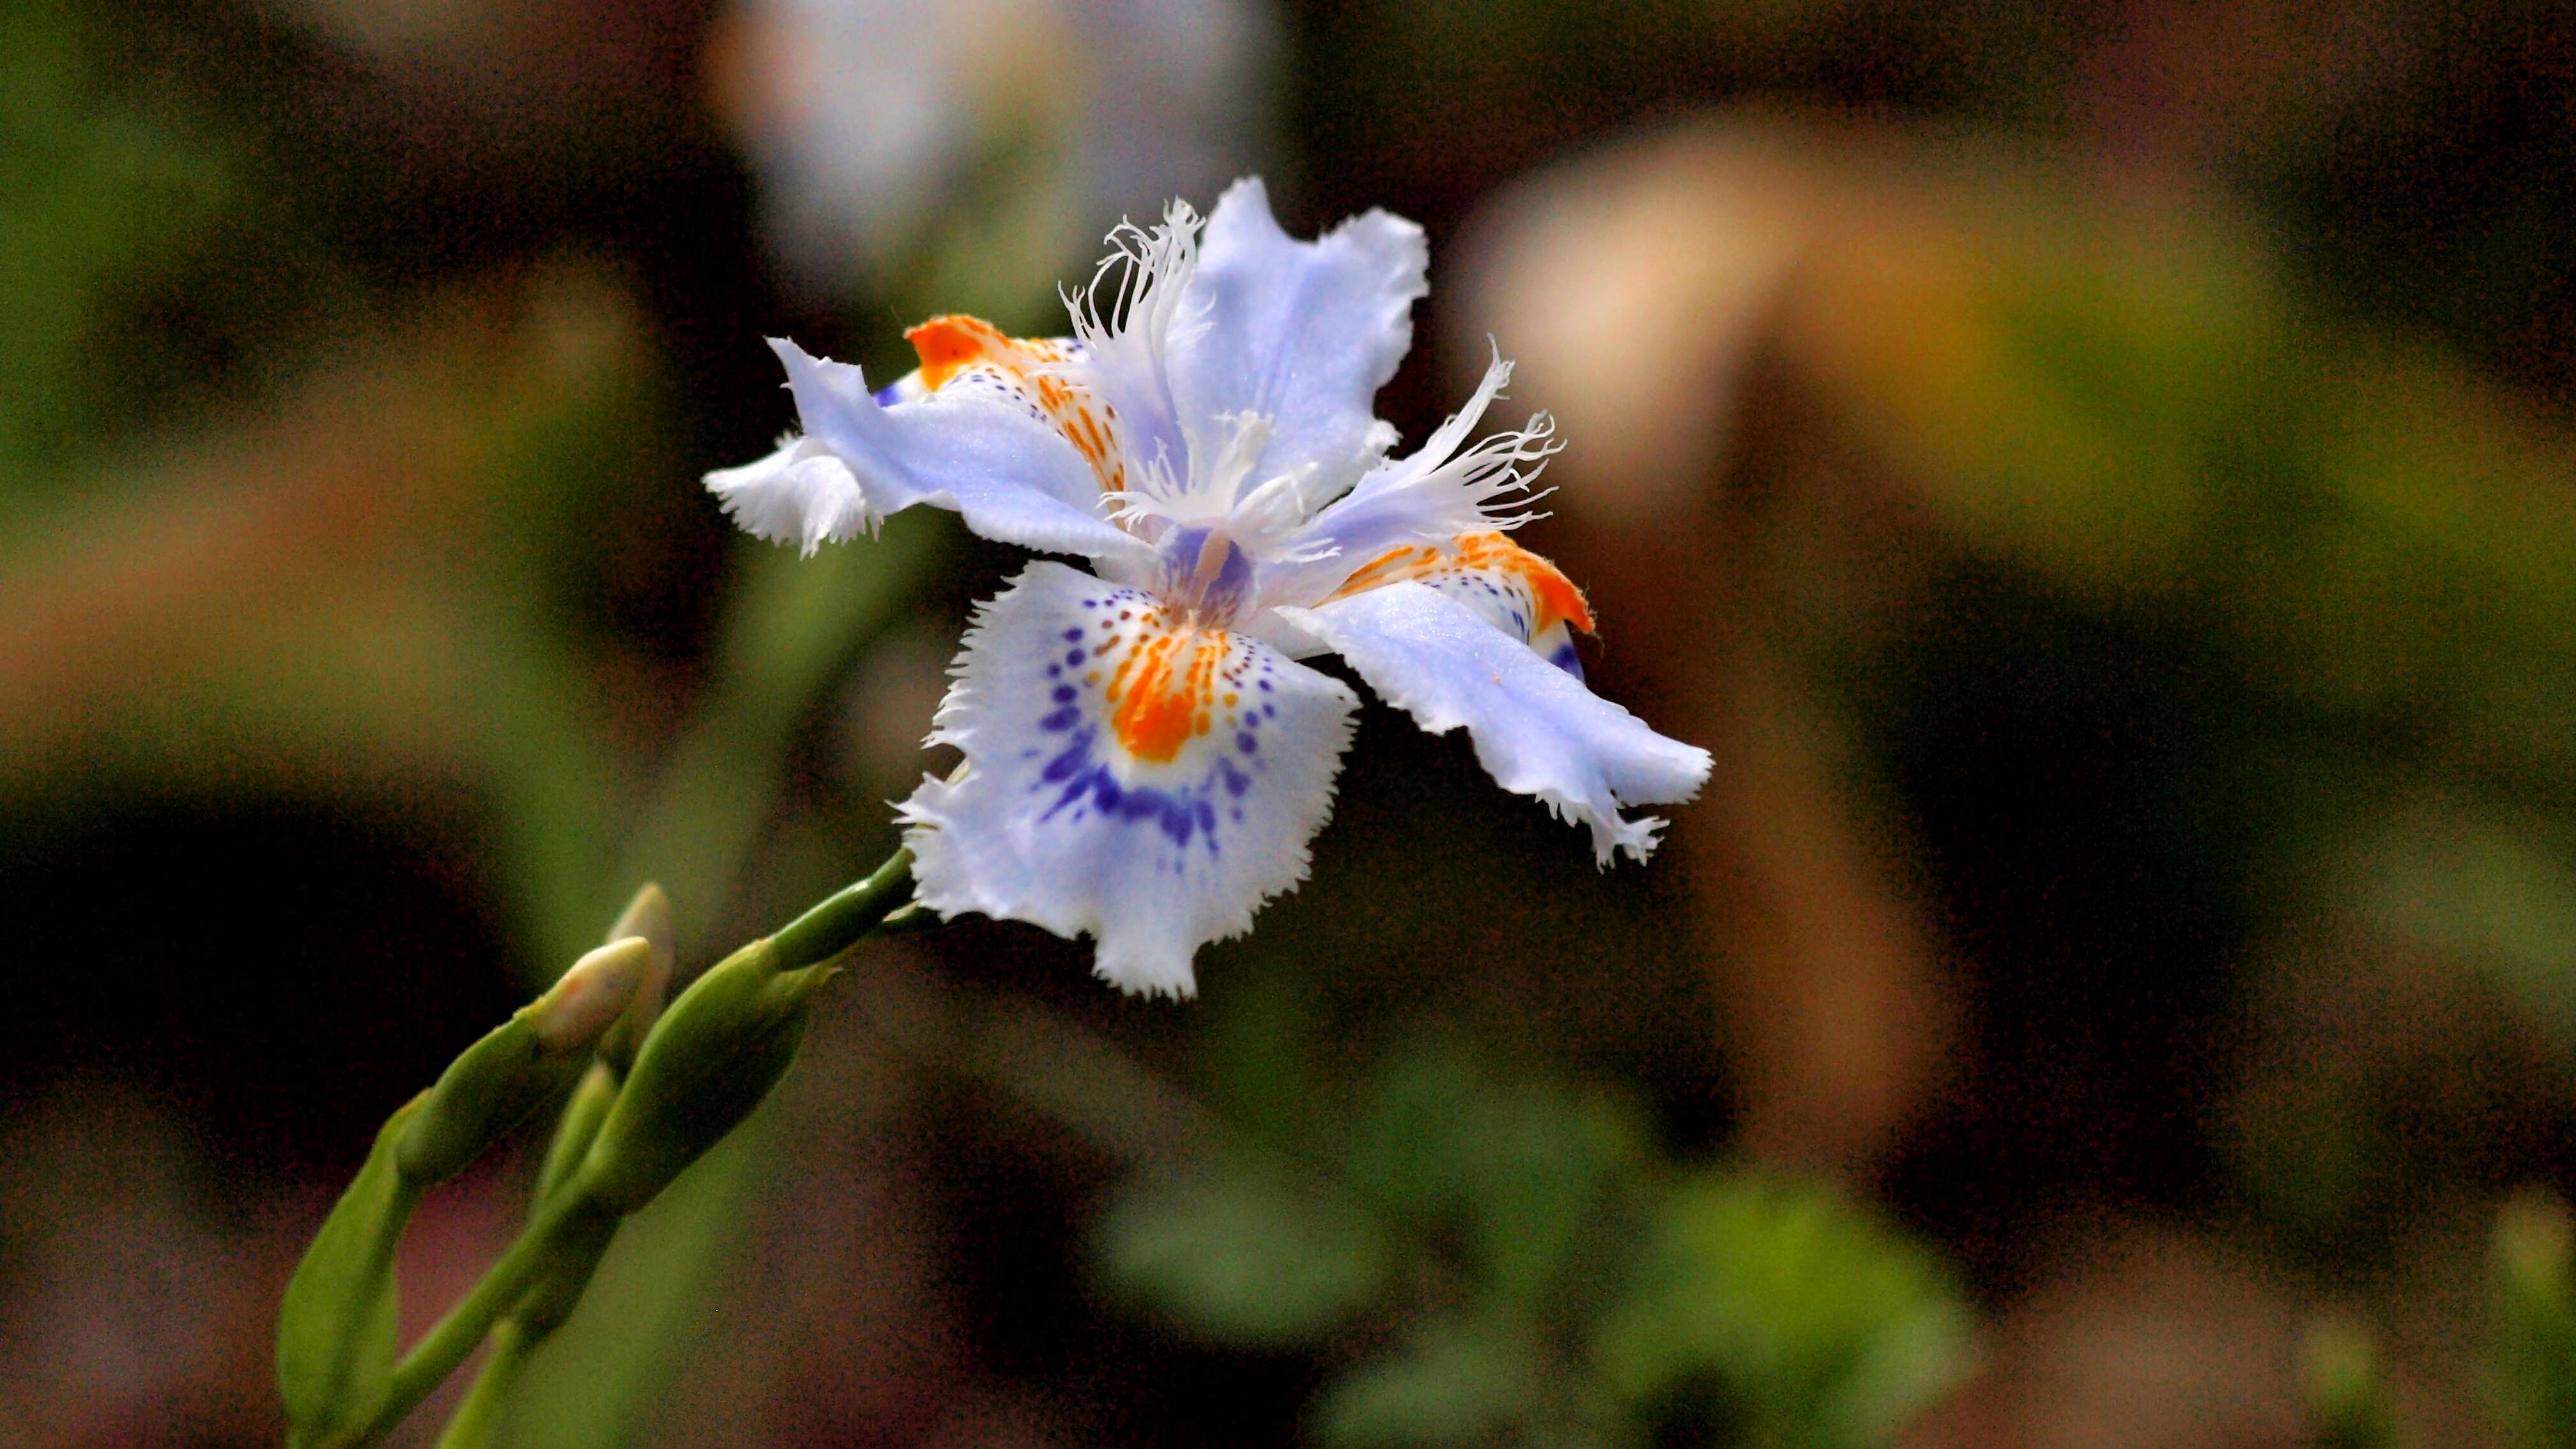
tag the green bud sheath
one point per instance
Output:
(578, 1129)
(726, 1041)
(712, 1058)
(335, 1329)
(531, 1057)
(647, 916)
(689, 1078)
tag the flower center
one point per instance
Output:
(1206, 574)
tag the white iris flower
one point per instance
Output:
(1146, 760)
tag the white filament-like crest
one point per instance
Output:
(1127, 348)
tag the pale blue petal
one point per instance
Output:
(1536, 729)
(1056, 820)
(801, 494)
(977, 450)
(1304, 333)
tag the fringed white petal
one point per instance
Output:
(1435, 493)
(1127, 775)
(1536, 729)
(802, 494)
(1504, 597)
(1302, 333)
(1136, 310)
(1448, 486)
(979, 451)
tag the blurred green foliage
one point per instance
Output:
(1490, 1256)
(1247, 1253)
(2528, 1368)
(109, 195)
(1815, 1324)
(2345, 1381)
(2532, 1370)
(150, 264)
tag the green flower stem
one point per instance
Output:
(843, 918)
(478, 1418)
(576, 1128)
(447, 1344)
(797, 626)
(572, 1222)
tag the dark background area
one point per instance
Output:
(2098, 477)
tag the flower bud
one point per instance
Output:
(535, 1054)
(715, 1054)
(590, 998)
(648, 916)
(335, 1329)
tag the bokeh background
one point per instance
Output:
(2100, 478)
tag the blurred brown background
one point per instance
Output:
(2098, 477)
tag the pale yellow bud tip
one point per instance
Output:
(591, 996)
(649, 916)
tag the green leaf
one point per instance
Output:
(335, 1329)
(1524, 1166)
(1548, 1162)
(1413, 1153)
(1242, 1254)
(2495, 890)
(1811, 1324)
(1455, 1384)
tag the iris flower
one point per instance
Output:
(1145, 757)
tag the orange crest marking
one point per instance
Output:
(951, 344)
(956, 344)
(1553, 597)
(1160, 708)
